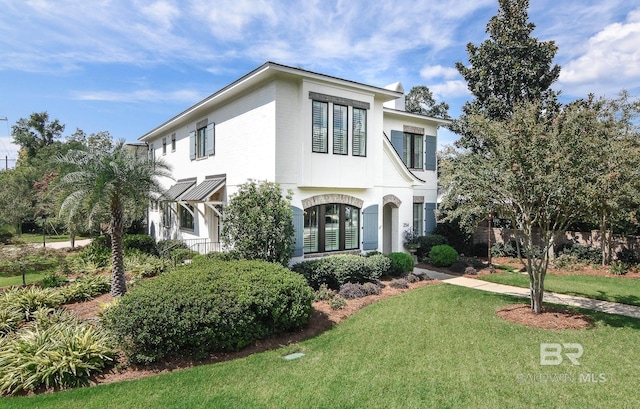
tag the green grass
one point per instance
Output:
(439, 346)
(37, 238)
(616, 289)
(30, 278)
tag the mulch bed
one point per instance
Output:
(550, 317)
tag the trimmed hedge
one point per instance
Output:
(343, 268)
(208, 306)
(443, 256)
(400, 263)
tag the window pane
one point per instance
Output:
(332, 227)
(406, 150)
(351, 227)
(340, 129)
(417, 152)
(186, 219)
(417, 218)
(311, 230)
(202, 142)
(319, 114)
(359, 132)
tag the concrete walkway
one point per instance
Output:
(64, 244)
(553, 298)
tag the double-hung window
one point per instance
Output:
(359, 132)
(412, 155)
(202, 140)
(340, 127)
(173, 142)
(320, 132)
(418, 216)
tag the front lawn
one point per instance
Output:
(615, 289)
(30, 278)
(437, 346)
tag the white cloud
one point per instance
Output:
(611, 60)
(144, 95)
(450, 89)
(438, 71)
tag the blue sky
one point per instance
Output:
(127, 66)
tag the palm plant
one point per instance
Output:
(118, 179)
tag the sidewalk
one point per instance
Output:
(64, 244)
(553, 298)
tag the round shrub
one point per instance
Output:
(141, 242)
(426, 244)
(399, 283)
(400, 263)
(443, 255)
(352, 291)
(340, 269)
(208, 306)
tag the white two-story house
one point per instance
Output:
(361, 169)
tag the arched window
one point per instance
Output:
(331, 227)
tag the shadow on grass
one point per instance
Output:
(597, 317)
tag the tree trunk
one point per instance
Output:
(72, 237)
(118, 283)
(537, 291)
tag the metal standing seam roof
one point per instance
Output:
(178, 189)
(205, 189)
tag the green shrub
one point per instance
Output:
(426, 243)
(165, 247)
(143, 264)
(180, 255)
(401, 283)
(52, 280)
(619, 268)
(581, 253)
(86, 288)
(10, 318)
(140, 242)
(400, 263)
(208, 306)
(28, 300)
(567, 262)
(324, 293)
(507, 249)
(340, 269)
(443, 256)
(337, 303)
(95, 254)
(53, 354)
(223, 256)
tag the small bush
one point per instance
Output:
(567, 262)
(86, 288)
(95, 254)
(143, 264)
(508, 249)
(443, 256)
(399, 283)
(164, 247)
(427, 242)
(340, 269)
(208, 306)
(57, 355)
(619, 268)
(28, 300)
(139, 242)
(411, 278)
(180, 255)
(581, 253)
(324, 293)
(627, 255)
(10, 318)
(371, 289)
(223, 255)
(337, 303)
(53, 280)
(400, 263)
(352, 291)
(458, 267)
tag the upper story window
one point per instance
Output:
(359, 132)
(343, 114)
(412, 150)
(173, 142)
(164, 146)
(340, 127)
(320, 131)
(416, 150)
(203, 140)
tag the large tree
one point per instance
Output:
(116, 178)
(35, 132)
(420, 100)
(508, 68)
(537, 174)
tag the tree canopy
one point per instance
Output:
(508, 68)
(420, 101)
(35, 132)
